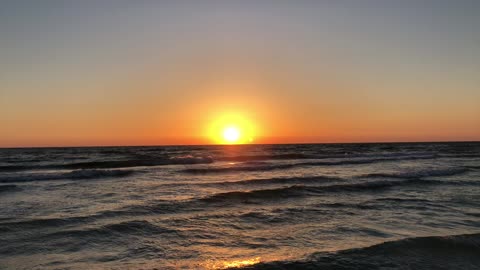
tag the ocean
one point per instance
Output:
(308, 206)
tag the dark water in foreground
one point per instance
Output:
(338, 206)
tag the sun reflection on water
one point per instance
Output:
(231, 264)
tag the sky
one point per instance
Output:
(82, 73)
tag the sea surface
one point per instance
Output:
(317, 206)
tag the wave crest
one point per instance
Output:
(434, 252)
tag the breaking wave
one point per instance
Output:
(434, 252)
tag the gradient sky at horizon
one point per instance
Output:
(158, 72)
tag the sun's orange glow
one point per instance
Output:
(231, 129)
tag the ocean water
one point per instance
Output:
(320, 206)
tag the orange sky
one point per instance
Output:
(295, 73)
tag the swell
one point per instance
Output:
(73, 175)
(140, 227)
(419, 173)
(271, 181)
(8, 188)
(111, 164)
(145, 161)
(433, 252)
(473, 167)
(301, 190)
(235, 197)
(42, 224)
(148, 161)
(259, 196)
(12, 168)
(394, 156)
(270, 167)
(56, 239)
(266, 157)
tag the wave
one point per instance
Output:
(301, 190)
(189, 159)
(384, 203)
(290, 191)
(241, 168)
(280, 180)
(140, 227)
(259, 196)
(270, 167)
(12, 168)
(434, 252)
(7, 188)
(111, 164)
(127, 227)
(418, 173)
(57, 239)
(33, 224)
(401, 200)
(73, 175)
(249, 162)
(331, 155)
(267, 157)
(263, 194)
(461, 155)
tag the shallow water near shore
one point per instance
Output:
(338, 206)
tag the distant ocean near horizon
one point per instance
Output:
(305, 206)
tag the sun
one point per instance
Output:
(231, 129)
(231, 134)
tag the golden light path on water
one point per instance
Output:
(214, 265)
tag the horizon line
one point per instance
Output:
(244, 144)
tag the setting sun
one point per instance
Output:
(231, 134)
(231, 129)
